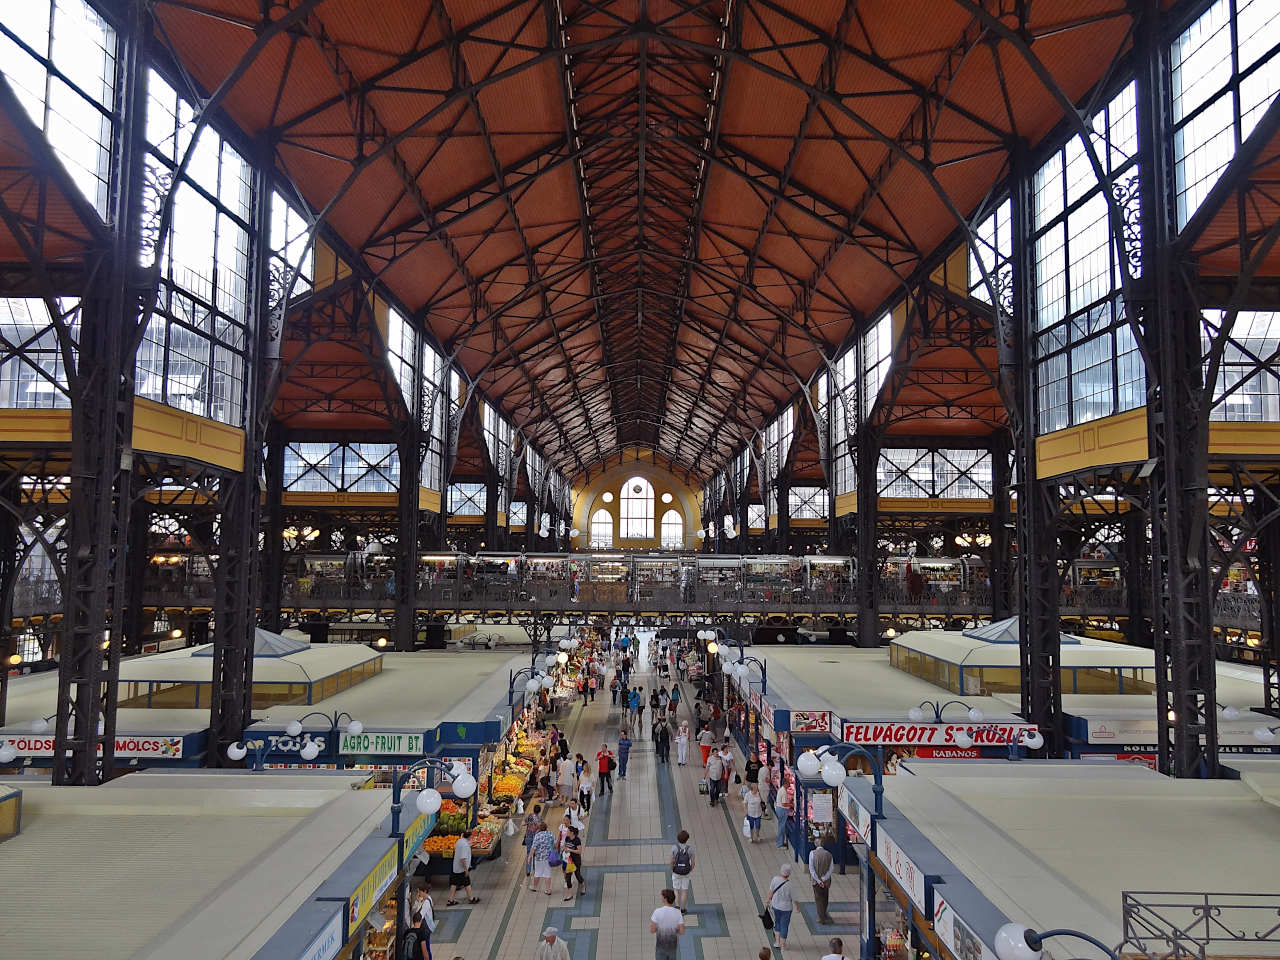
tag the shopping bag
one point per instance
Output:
(553, 858)
(519, 805)
(766, 919)
(509, 829)
(702, 786)
(746, 827)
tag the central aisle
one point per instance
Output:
(628, 842)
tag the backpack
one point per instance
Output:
(412, 938)
(682, 864)
(608, 764)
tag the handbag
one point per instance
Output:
(766, 918)
(553, 858)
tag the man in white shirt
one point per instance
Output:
(821, 865)
(836, 946)
(668, 923)
(460, 878)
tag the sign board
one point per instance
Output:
(821, 807)
(372, 888)
(381, 742)
(127, 747)
(903, 868)
(416, 832)
(1142, 730)
(327, 943)
(894, 734)
(859, 817)
(755, 699)
(766, 718)
(956, 934)
(810, 721)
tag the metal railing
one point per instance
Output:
(1182, 926)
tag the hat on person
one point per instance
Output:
(550, 932)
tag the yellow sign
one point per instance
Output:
(372, 888)
(416, 833)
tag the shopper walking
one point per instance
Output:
(682, 864)
(664, 743)
(682, 744)
(835, 950)
(782, 810)
(715, 769)
(705, 742)
(566, 777)
(633, 704)
(460, 878)
(572, 856)
(551, 947)
(624, 752)
(604, 763)
(781, 902)
(592, 682)
(668, 924)
(539, 861)
(586, 787)
(673, 703)
(613, 689)
(754, 808)
(531, 822)
(821, 865)
(417, 942)
(764, 780)
(726, 760)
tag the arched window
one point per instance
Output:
(601, 530)
(637, 509)
(672, 531)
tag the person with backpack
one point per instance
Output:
(604, 763)
(682, 863)
(417, 939)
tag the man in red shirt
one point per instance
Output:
(605, 764)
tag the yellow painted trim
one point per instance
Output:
(428, 499)
(684, 500)
(161, 429)
(381, 309)
(847, 503)
(329, 498)
(934, 505)
(807, 523)
(954, 271)
(1118, 439)
(1244, 439)
(35, 426)
(466, 521)
(329, 269)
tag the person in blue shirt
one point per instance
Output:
(634, 703)
(624, 751)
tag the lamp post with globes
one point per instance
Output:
(917, 715)
(1016, 942)
(427, 802)
(307, 751)
(828, 763)
(1015, 740)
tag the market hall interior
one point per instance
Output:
(910, 372)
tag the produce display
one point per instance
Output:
(442, 845)
(450, 823)
(509, 786)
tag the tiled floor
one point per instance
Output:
(629, 837)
